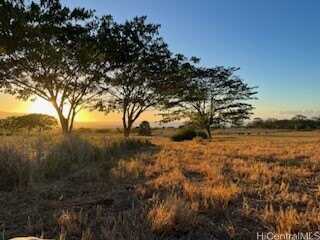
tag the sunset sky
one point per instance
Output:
(275, 43)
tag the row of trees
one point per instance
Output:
(73, 59)
(298, 122)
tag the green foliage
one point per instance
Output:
(144, 129)
(15, 168)
(188, 134)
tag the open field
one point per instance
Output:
(95, 186)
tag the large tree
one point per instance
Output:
(140, 81)
(48, 51)
(213, 97)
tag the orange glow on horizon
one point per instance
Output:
(44, 107)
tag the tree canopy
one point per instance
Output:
(138, 83)
(48, 53)
(29, 122)
(215, 96)
(73, 59)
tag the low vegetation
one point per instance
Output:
(299, 122)
(27, 123)
(109, 188)
(188, 134)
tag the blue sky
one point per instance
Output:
(275, 43)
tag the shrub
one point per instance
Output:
(202, 134)
(123, 146)
(15, 169)
(144, 129)
(70, 152)
(188, 134)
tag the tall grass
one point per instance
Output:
(67, 155)
(15, 168)
(47, 159)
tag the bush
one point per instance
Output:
(144, 129)
(202, 134)
(15, 169)
(123, 146)
(188, 134)
(70, 152)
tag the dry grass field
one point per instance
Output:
(97, 187)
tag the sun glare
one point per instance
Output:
(42, 106)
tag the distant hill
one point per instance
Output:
(10, 114)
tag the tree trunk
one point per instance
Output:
(126, 132)
(64, 126)
(126, 127)
(208, 129)
(63, 121)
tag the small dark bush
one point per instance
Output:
(188, 134)
(144, 129)
(123, 146)
(15, 169)
(202, 134)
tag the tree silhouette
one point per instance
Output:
(138, 83)
(144, 128)
(48, 51)
(213, 97)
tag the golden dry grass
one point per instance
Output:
(228, 188)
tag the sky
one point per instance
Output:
(275, 43)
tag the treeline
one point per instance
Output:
(298, 122)
(74, 59)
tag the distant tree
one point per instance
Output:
(299, 117)
(48, 51)
(144, 128)
(36, 121)
(214, 96)
(256, 122)
(29, 122)
(139, 82)
(298, 122)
